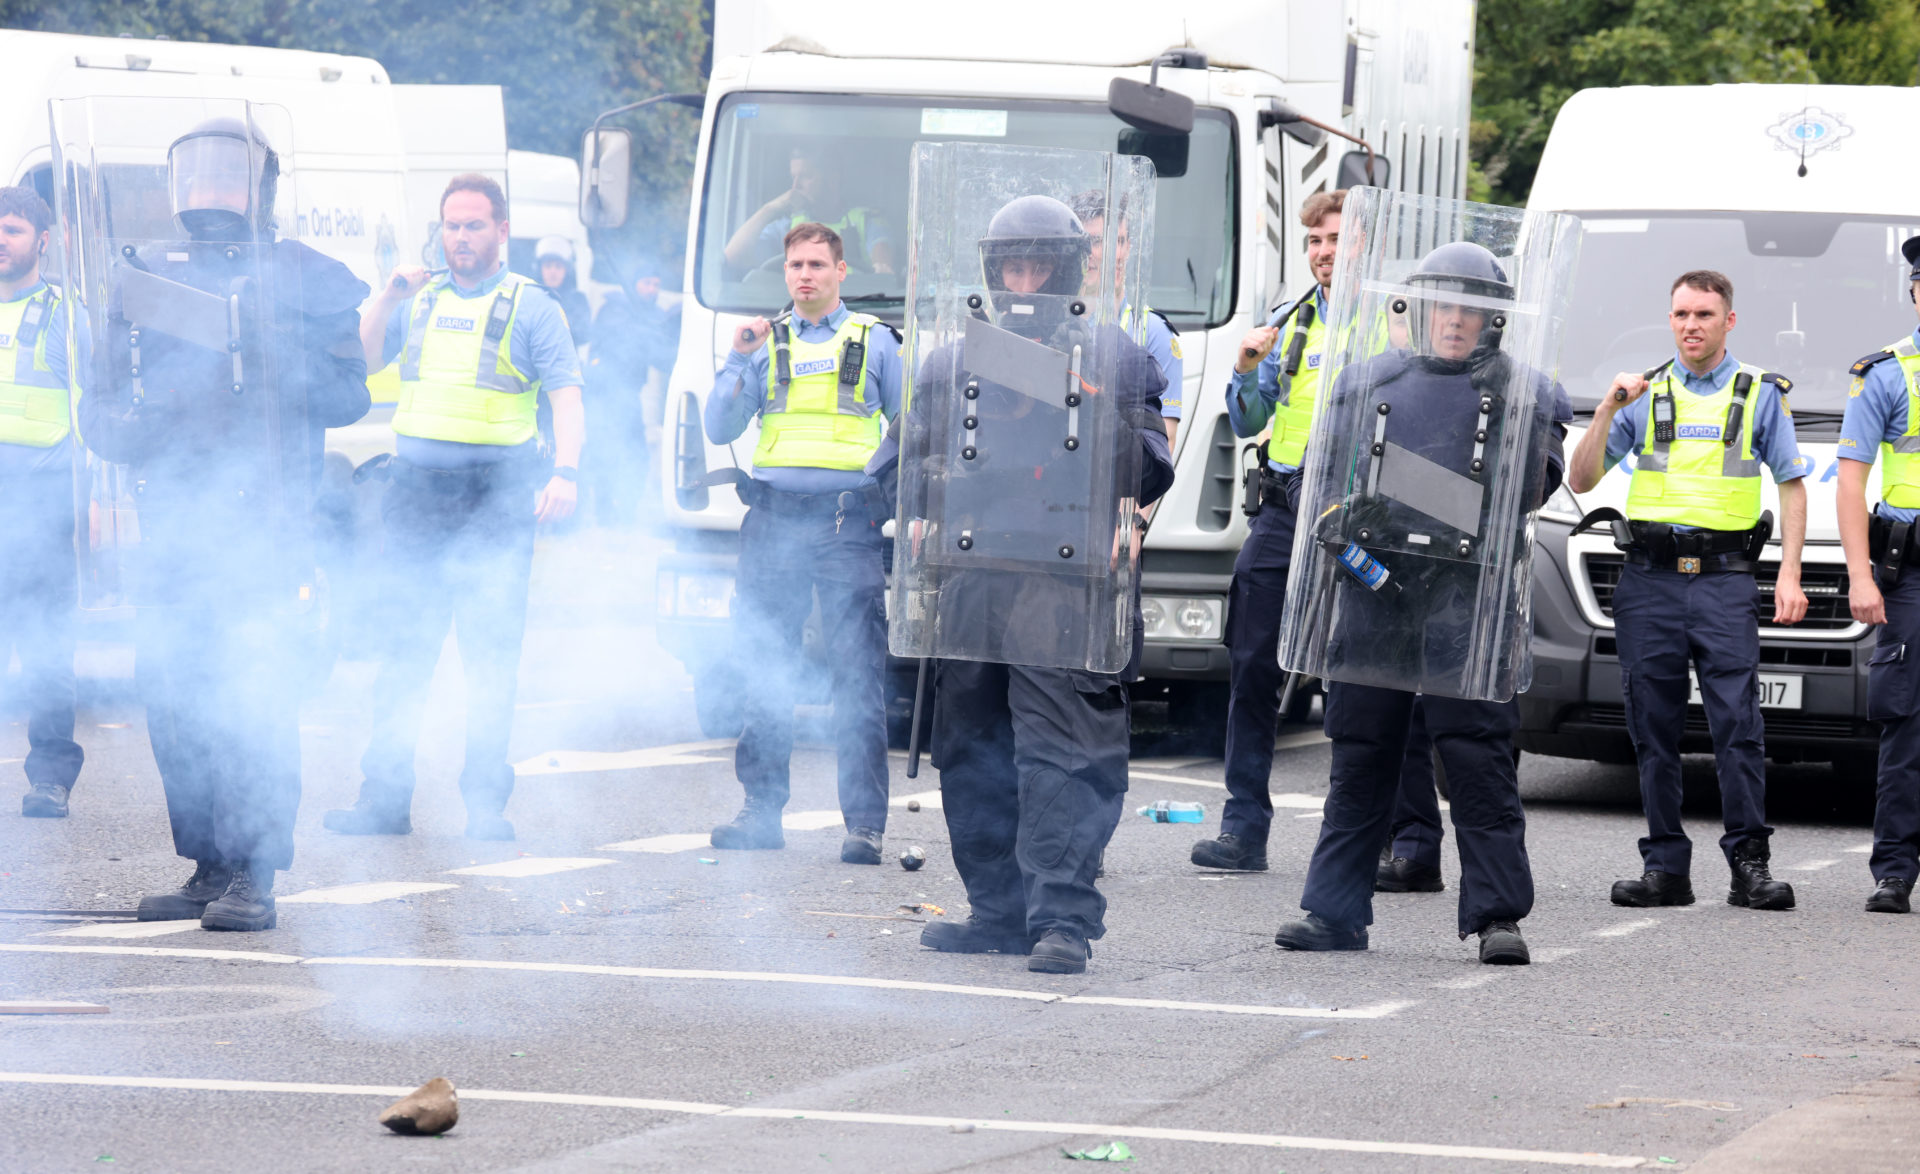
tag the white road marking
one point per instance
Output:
(1294, 799)
(929, 800)
(126, 929)
(1471, 981)
(530, 866)
(1297, 741)
(771, 1113)
(1310, 815)
(1624, 928)
(1175, 763)
(364, 893)
(1862, 848)
(1554, 953)
(1810, 866)
(677, 842)
(564, 762)
(812, 821)
(1371, 1011)
(1153, 777)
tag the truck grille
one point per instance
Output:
(1824, 583)
(1778, 725)
(1223, 477)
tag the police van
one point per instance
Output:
(1797, 194)
(849, 93)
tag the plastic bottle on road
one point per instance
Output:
(1166, 811)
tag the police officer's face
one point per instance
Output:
(1323, 241)
(470, 235)
(1700, 320)
(1455, 330)
(1096, 233)
(553, 273)
(814, 277)
(1024, 275)
(20, 248)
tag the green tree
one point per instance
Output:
(1868, 43)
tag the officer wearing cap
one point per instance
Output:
(823, 382)
(1699, 426)
(1437, 384)
(1883, 422)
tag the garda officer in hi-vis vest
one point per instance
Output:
(824, 381)
(1273, 394)
(1698, 427)
(37, 575)
(1883, 420)
(478, 349)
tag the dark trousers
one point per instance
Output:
(1662, 620)
(1415, 832)
(224, 720)
(1893, 700)
(1370, 728)
(38, 595)
(459, 553)
(1255, 600)
(1033, 772)
(791, 547)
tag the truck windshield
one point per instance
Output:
(1811, 293)
(845, 158)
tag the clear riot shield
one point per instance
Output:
(1019, 464)
(184, 481)
(1412, 560)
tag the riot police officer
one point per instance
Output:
(1700, 425)
(1881, 423)
(1439, 402)
(823, 380)
(223, 357)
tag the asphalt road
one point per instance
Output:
(610, 995)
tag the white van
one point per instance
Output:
(1801, 195)
(1227, 242)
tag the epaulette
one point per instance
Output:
(1865, 363)
(1168, 322)
(898, 338)
(1779, 381)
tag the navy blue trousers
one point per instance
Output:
(1033, 773)
(38, 595)
(1370, 728)
(1664, 620)
(791, 547)
(1893, 700)
(1415, 833)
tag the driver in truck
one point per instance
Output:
(814, 197)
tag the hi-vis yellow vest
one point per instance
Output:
(813, 418)
(1900, 460)
(34, 408)
(1286, 433)
(457, 378)
(1699, 478)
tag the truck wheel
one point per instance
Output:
(716, 702)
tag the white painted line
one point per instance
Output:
(1311, 815)
(566, 762)
(530, 866)
(1810, 866)
(1862, 848)
(364, 893)
(1293, 799)
(677, 842)
(929, 800)
(1298, 741)
(1554, 953)
(771, 1113)
(1175, 763)
(126, 929)
(1148, 776)
(1472, 980)
(1373, 1011)
(812, 821)
(1624, 928)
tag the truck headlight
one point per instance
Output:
(693, 597)
(1561, 507)
(1174, 617)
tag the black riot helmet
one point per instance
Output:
(223, 175)
(1460, 273)
(1037, 229)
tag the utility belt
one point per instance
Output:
(466, 482)
(1663, 547)
(1891, 545)
(1260, 486)
(866, 504)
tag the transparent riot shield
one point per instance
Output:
(1412, 561)
(190, 477)
(1019, 456)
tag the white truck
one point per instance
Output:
(1801, 195)
(858, 89)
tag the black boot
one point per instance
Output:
(1502, 945)
(862, 846)
(1654, 888)
(1314, 932)
(370, 815)
(246, 906)
(1230, 851)
(45, 801)
(1891, 897)
(1400, 875)
(1753, 885)
(1059, 952)
(757, 826)
(190, 900)
(974, 936)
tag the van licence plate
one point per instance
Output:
(1776, 691)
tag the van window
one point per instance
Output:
(864, 142)
(1811, 293)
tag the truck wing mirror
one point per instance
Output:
(1150, 107)
(606, 161)
(1364, 169)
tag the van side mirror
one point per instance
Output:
(1167, 152)
(606, 161)
(1355, 172)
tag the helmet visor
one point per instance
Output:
(212, 173)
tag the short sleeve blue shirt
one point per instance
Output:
(1163, 343)
(1773, 438)
(1877, 413)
